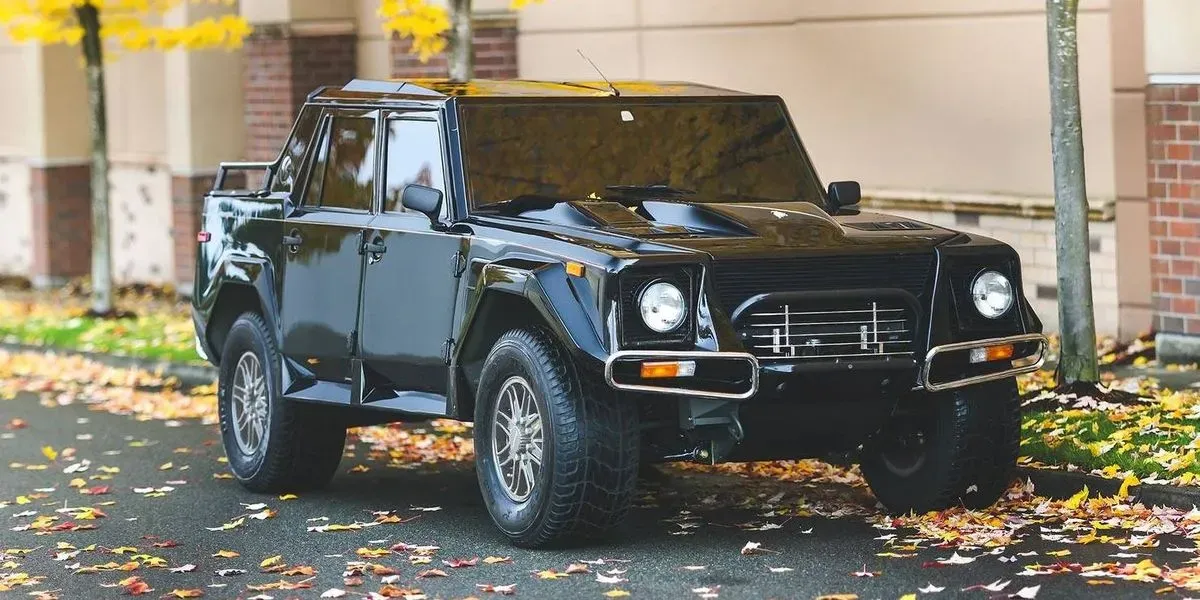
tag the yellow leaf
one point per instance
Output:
(77, 482)
(908, 597)
(274, 560)
(1129, 480)
(123, 549)
(1074, 501)
(1063, 552)
(226, 554)
(616, 593)
(50, 453)
(288, 497)
(167, 466)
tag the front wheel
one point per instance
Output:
(272, 444)
(555, 454)
(947, 449)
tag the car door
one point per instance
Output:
(409, 291)
(323, 267)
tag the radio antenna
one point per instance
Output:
(612, 88)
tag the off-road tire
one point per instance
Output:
(589, 468)
(303, 446)
(972, 437)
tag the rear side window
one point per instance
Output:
(293, 151)
(344, 168)
(414, 155)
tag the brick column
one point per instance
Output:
(1173, 132)
(283, 64)
(495, 47)
(62, 223)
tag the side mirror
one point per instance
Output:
(422, 199)
(843, 194)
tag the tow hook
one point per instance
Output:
(697, 454)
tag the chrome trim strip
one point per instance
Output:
(928, 385)
(681, 355)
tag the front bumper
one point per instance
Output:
(737, 375)
(718, 375)
(1030, 362)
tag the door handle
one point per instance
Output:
(293, 240)
(373, 249)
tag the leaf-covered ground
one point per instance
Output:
(97, 505)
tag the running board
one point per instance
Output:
(386, 399)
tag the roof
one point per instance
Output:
(435, 89)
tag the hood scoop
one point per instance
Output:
(614, 216)
(888, 226)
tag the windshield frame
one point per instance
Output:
(462, 102)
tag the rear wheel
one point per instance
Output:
(273, 445)
(947, 449)
(556, 455)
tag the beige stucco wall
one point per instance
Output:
(937, 95)
(140, 222)
(137, 109)
(16, 218)
(1175, 48)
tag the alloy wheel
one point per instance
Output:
(249, 406)
(517, 439)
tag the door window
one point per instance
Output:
(414, 155)
(293, 151)
(344, 169)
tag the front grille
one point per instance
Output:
(800, 329)
(738, 280)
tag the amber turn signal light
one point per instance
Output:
(575, 269)
(665, 370)
(991, 353)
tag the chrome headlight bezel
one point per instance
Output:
(987, 286)
(663, 298)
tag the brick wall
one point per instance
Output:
(1173, 132)
(281, 68)
(62, 223)
(495, 46)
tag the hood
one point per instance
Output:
(743, 228)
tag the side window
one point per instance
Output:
(293, 151)
(344, 169)
(414, 155)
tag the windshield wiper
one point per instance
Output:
(656, 189)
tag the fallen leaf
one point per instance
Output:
(188, 568)
(1074, 501)
(506, 590)
(52, 455)
(491, 560)
(551, 574)
(780, 569)
(1028, 593)
(270, 562)
(930, 589)
(602, 578)
(432, 573)
(865, 573)
(332, 592)
(192, 593)
(616, 593)
(226, 554)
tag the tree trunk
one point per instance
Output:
(1077, 358)
(462, 54)
(93, 54)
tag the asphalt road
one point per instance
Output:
(823, 551)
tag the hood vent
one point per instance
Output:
(889, 226)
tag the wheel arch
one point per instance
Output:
(245, 286)
(508, 297)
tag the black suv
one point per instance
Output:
(598, 277)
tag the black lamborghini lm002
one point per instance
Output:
(597, 280)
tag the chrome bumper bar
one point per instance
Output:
(925, 383)
(677, 388)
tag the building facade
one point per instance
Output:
(939, 107)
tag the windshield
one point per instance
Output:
(726, 151)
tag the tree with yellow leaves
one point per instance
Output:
(124, 24)
(433, 28)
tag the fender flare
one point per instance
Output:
(253, 273)
(551, 293)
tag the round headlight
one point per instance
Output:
(992, 293)
(663, 307)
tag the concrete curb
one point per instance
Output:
(1064, 484)
(188, 375)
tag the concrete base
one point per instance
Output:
(1177, 348)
